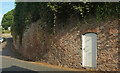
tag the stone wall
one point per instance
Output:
(64, 48)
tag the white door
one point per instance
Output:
(89, 50)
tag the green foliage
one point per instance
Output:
(6, 31)
(0, 30)
(25, 13)
(7, 20)
(105, 11)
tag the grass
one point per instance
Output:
(6, 31)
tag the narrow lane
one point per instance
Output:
(11, 62)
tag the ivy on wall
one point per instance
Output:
(27, 12)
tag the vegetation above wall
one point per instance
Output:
(27, 13)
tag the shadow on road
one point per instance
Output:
(16, 68)
(7, 49)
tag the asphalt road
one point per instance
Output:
(11, 62)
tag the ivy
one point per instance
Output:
(25, 13)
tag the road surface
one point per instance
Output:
(11, 62)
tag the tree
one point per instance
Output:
(7, 20)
